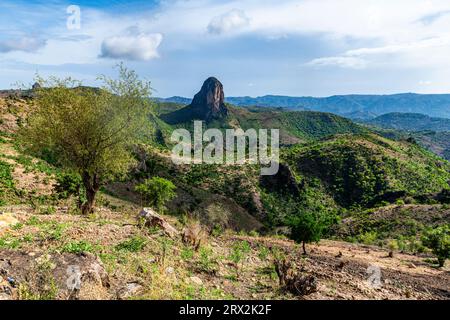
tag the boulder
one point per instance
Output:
(130, 290)
(57, 276)
(7, 220)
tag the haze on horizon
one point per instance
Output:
(281, 47)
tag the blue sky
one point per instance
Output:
(255, 47)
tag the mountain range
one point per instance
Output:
(351, 106)
(410, 122)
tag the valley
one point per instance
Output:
(222, 231)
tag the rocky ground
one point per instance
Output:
(112, 256)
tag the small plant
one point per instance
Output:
(217, 230)
(77, 247)
(239, 252)
(368, 237)
(187, 253)
(156, 192)
(438, 240)
(206, 262)
(134, 244)
(263, 252)
(47, 210)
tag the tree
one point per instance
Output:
(438, 240)
(156, 192)
(308, 227)
(89, 130)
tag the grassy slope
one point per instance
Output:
(358, 169)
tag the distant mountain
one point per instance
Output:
(295, 126)
(410, 122)
(352, 106)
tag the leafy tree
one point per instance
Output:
(438, 240)
(309, 226)
(156, 192)
(89, 130)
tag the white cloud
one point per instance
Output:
(24, 44)
(139, 47)
(412, 54)
(230, 21)
(344, 62)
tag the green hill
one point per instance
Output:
(363, 170)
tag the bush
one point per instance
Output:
(368, 237)
(438, 240)
(68, 184)
(156, 192)
(134, 244)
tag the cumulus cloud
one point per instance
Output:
(141, 47)
(232, 20)
(25, 44)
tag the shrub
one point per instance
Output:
(134, 244)
(77, 247)
(438, 240)
(69, 184)
(156, 192)
(368, 237)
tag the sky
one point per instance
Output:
(254, 47)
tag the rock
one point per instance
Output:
(196, 280)
(207, 105)
(210, 100)
(7, 220)
(74, 276)
(170, 270)
(36, 86)
(130, 290)
(282, 182)
(152, 219)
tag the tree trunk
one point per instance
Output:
(304, 248)
(92, 185)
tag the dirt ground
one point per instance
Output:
(343, 270)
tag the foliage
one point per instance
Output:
(134, 244)
(69, 184)
(438, 240)
(77, 247)
(156, 192)
(89, 130)
(6, 181)
(309, 227)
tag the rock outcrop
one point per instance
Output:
(282, 182)
(208, 105)
(30, 275)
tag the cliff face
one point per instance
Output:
(207, 105)
(209, 102)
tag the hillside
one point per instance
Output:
(352, 106)
(242, 217)
(366, 170)
(410, 122)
